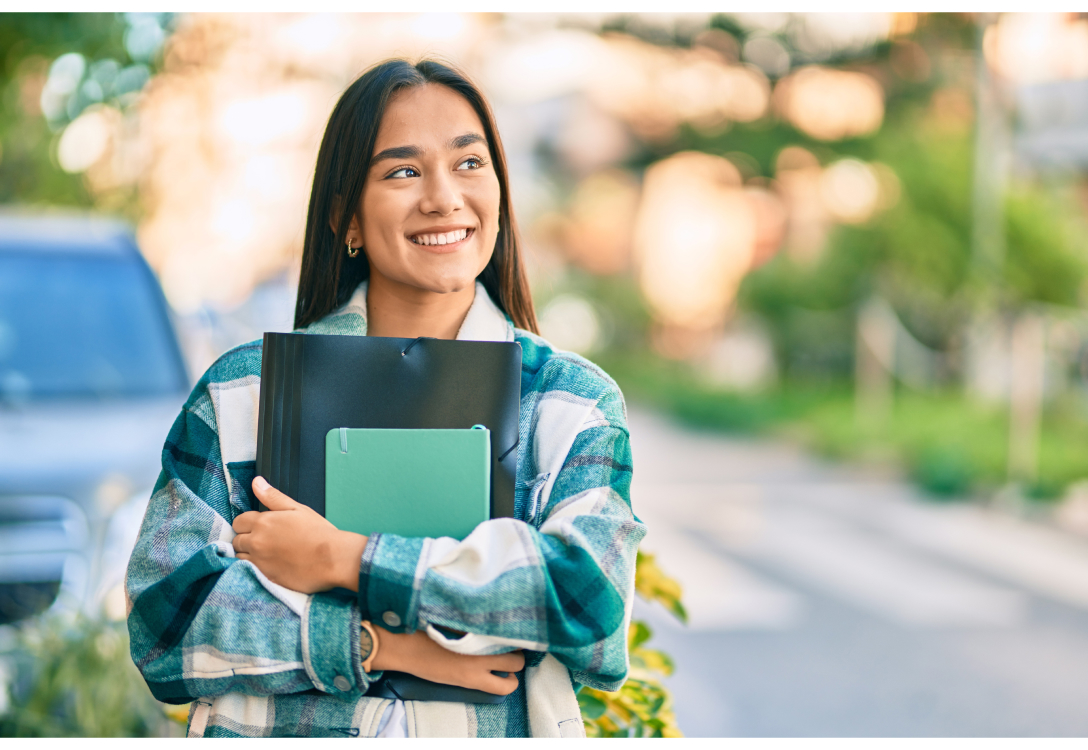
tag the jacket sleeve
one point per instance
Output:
(563, 582)
(202, 622)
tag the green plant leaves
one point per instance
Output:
(592, 706)
(73, 677)
(654, 586)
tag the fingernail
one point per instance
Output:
(260, 483)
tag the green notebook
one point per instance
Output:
(408, 482)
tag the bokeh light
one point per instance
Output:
(850, 190)
(695, 237)
(831, 104)
(86, 139)
(1037, 47)
(571, 322)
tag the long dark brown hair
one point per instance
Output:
(329, 276)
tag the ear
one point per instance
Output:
(355, 227)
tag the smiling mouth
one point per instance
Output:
(446, 238)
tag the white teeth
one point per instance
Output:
(440, 239)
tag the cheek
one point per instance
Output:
(494, 195)
(382, 212)
(486, 199)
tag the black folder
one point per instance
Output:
(312, 383)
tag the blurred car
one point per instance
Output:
(91, 378)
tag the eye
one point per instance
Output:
(401, 173)
(472, 162)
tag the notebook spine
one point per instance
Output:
(295, 362)
(264, 412)
(279, 424)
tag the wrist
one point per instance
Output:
(349, 547)
(391, 654)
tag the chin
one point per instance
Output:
(439, 284)
(438, 278)
(450, 286)
(451, 281)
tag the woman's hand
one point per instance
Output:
(295, 546)
(417, 654)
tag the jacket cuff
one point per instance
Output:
(387, 593)
(330, 646)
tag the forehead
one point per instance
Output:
(427, 116)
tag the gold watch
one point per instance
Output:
(370, 634)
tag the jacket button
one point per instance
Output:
(341, 683)
(392, 619)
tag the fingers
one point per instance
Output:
(272, 498)
(511, 662)
(244, 523)
(499, 685)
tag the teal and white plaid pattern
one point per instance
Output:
(257, 659)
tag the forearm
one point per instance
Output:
(417, 654)
(546, 593)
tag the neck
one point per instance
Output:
(400, 311)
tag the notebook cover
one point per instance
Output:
(430, 483)
(312, 383)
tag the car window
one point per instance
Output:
(82, 326)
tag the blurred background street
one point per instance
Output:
(838, 264)
(831, 601)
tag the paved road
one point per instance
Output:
(830, 601)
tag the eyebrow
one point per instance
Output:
(414, 152)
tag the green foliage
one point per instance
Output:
(675, 387)
(642, 707)
(951, 445)
(1047, 249)
(944, 472)
(653, 585)
(73, 677)
(947, 443)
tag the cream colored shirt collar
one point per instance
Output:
(484, 321)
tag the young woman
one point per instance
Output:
(410, 232)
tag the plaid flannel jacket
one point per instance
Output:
(257, 659)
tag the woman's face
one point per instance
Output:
(430, 207)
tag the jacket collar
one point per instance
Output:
(484, 321)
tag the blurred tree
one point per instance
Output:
(918, 255)
(918, 252)
(29, 172)
(108, 58)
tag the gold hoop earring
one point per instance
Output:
(352, 251)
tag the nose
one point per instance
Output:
(440, 195)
